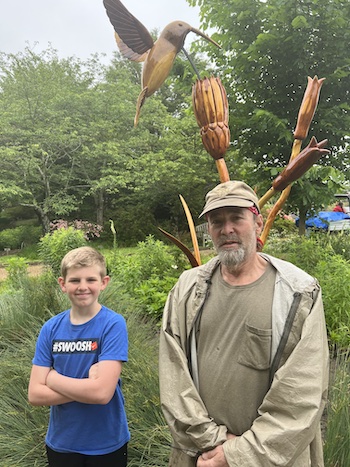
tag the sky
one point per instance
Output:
(80, 27)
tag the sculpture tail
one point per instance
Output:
(140, 101)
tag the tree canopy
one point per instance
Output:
(269, 48)
(69, 149)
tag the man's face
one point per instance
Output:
(234, 232)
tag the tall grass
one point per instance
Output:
(337, 444)
(23, 427)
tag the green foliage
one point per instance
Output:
(16, 268)
(149, 273)
(150, 438)
(272, 46)
(334, 277)
(269, 48)
(23, 427)
(338, 242)
(34, 300)
(83, 166)
(336, 448)
(19, 236)
(153, 293)
(53, 247)
(316, 256)
(301, 251)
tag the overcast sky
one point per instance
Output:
(80, 27)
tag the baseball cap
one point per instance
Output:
(233, 193)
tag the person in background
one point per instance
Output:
(76, 370)
(243, 358)
(339, 207)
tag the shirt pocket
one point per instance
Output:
(256, 348)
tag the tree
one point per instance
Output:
(269, 49)
(69, 148)
(39, 139)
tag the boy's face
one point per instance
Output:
(83, 286)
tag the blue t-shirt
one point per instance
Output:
(91, 429)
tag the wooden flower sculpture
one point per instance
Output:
(210, 107)
(308, 107)
(299, 162)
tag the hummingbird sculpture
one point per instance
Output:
(136, 43)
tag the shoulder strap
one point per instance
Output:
(285, 335)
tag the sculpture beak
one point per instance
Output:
(209, 39)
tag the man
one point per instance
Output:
(243, 350)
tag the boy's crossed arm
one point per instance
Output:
(47, 387)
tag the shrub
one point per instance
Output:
(338, 242)
(316, 256)
(17, 269)
(89, 229)
(53, 247)
(334, 277)
(19, 236)
(149, 273)
(302, 251)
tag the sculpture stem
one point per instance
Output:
(191, 62)
(282, 199)
(222, 170)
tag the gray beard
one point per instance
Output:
(232, 259)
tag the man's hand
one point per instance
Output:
(213, 458)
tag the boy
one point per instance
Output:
(76, 370)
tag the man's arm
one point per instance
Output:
(39, 393)
(97, 389)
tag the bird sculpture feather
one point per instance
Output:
(136, 43)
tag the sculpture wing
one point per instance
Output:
(133, 39)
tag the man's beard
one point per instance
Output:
(233, 258)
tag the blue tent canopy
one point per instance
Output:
(323, 218)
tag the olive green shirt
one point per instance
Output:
(234, 350)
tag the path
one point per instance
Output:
(33, 270)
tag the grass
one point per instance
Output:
(336, 449)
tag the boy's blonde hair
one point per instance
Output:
(84, 256)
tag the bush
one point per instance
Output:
(16, 268)
(302, 251)
(19, 236)
(334, 277)
(149, 273)
(54, 246)
(338, 242)
(316, 256)
(90, 230)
